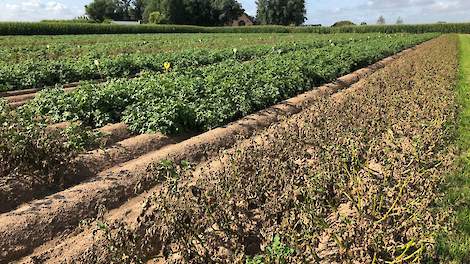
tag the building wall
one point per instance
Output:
(126, 23)
(243, 20)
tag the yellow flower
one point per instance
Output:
(97, 62)
(167, 66)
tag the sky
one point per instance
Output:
(324, 12)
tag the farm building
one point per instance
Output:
(126, 23)
(243, 20)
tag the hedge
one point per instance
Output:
(48, 28)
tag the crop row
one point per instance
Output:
(203, 98)
(351, 179)
(9, 28)
(38, 73)
(15, 49)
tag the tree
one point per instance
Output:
(137, 10)
(399, 21)
(150, 7)
(211, 12)
(123, 9)
(262, 11)
(198, 12)
(173, 10)
(99, 10)
(156, 18)
(226, 11)
(281, 12)
(195, 12)
(381, 20)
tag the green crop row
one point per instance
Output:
(21, 28)
(38, 73)
(203, 98)
(15, 49)
(45, 28)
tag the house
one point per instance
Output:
(243, 20)
(126, 23)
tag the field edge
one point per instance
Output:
(453, 243)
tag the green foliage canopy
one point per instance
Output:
(99, 10)
(195, 12)
(156, 18)
(281, 12)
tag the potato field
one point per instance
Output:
(292, 147)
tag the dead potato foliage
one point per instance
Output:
(351, 180)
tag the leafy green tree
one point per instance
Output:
(99, 10)
(262, 11)
(173, 10)
(150, 7)
(198, 12)
(123, 9)
(156, 18)
(210, 12)
(137, 10)
(281, 12)
(227, 10)
(195, 12)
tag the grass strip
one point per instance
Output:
(454, 244)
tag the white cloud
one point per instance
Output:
(449, 6)
(35, 10)
(56, 7)
(31, 5)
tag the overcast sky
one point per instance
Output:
(323, 12)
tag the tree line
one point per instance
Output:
(196, 12)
